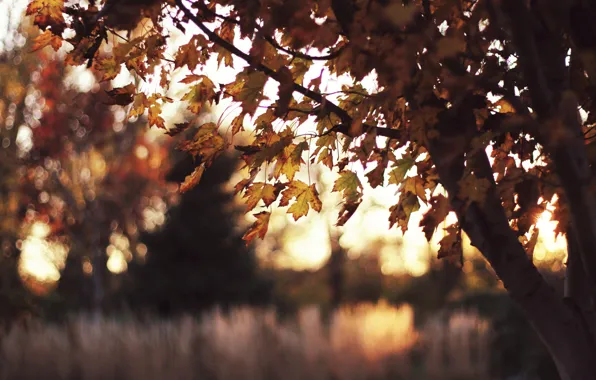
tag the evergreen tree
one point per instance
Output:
(198, 259)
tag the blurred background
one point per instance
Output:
(107, 271)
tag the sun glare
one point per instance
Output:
(40, 258)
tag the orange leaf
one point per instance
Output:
(259, 227)
(46, 13)
(46, 38)
(260, 191)
(193, 179)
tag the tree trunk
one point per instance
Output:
(561, 328)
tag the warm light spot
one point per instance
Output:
(117, 263)
(141, 250)
(41, 259)
(87, 266)
(141, 152)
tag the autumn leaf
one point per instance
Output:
(347, 210)
(154, 116)
(47, 13)
(237, 124)
(192, 78)
(306, 197)
(401, 212)
(139, 105)
(46, 38)
(400, 168)
(260, 191)
(248, 90)
(121, 95)
(193, 179)
(200, 94)
(178, 128)
(349, 184)
(258, 228)
(290, 160)
(108, 67)
(206, 144)
(435, 215)
(415, 185)
(451, 244)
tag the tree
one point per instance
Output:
(451, 79)
(198, 259)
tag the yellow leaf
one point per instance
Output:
(260, 191)
(348, 183)
(306, 197)
(259, 227)
(46, 13)
(290, 160)
(154, 116)
(415, 185)
(193, 179)
(401, 212)
(139, 105)
(46, 38)
(400, 169)
(108, 67)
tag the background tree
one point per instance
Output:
(452, 80)
(198, 259)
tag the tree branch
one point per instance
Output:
(273, 42)
(328, 105)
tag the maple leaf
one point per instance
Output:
(46, 38)
(193, 179)
(435, 215)
(138, 106)
(47, 13)
(451, 243)
(248, 90)
(237, 124)
(401, 212)
(306, 197)
(348, 183)
(258, 228)
(376, 177)
(200, 94)
(415, 185)
(121, 95)
(400, 168)
(347, 210)
(108, 67)
(206, 144)
(188, 54)
(260, 191)
(154, 116)
(290, 160)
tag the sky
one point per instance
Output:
(306, 242)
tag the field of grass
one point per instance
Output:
(366, 342)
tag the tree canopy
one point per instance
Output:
(452, 80)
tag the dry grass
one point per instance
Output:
(367, 342)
